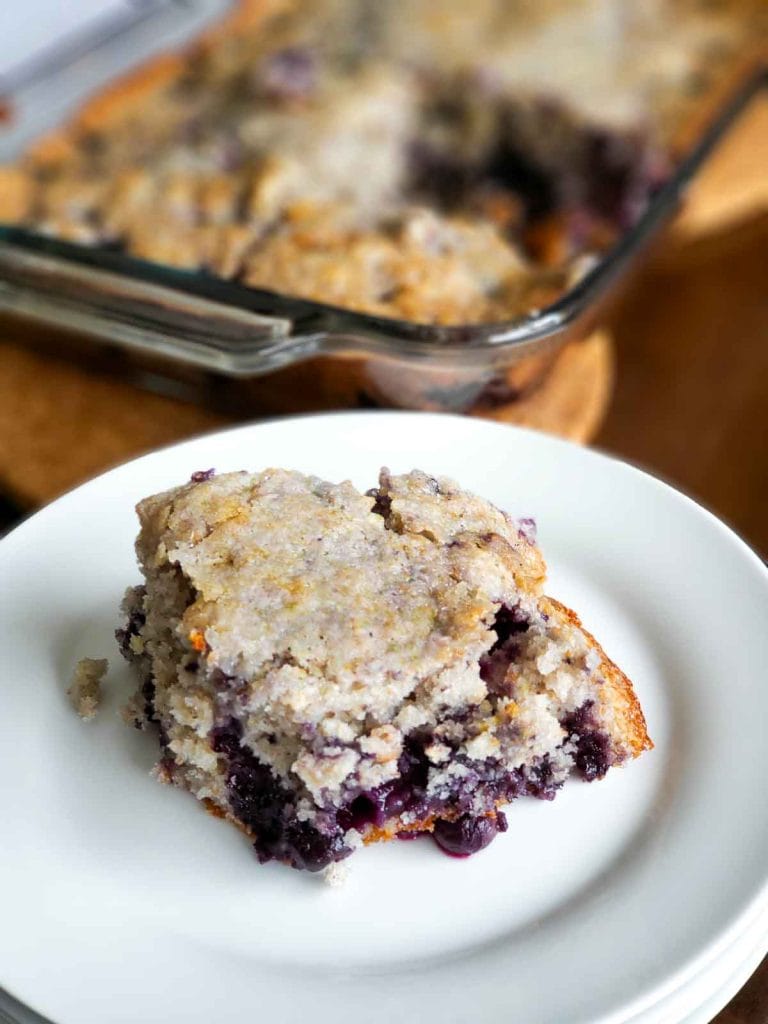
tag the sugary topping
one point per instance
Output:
(347, 620)
(308, 595)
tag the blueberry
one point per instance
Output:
(290, 73)
(593, 746)
(466, 835)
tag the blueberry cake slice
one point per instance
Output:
(327, 668)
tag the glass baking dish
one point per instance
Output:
(246, 350)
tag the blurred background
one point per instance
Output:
(674, 378)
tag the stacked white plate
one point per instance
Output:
(640, 899)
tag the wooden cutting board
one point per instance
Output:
(60, 425)
(733, 185)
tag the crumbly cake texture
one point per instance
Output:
(85, 687)
(327, 668)
(411, 160)
(336, 874)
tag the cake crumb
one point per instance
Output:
(336, 875)
(85, 689)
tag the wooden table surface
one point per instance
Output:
(690, 404)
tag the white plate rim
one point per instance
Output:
(726, 935)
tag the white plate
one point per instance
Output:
(123, 902)
(696, 1002)
(711, 1006)
(704, 995)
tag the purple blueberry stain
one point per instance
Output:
(509, 624)
(266, 806)
(464, 810)
(201, 475)
(230, 153)
(261, 802)
(126, 633)
(526, 529)
(382, 503)
(414, 833)
(290, 73)
(593, 753)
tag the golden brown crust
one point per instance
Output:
(127, 94)
(16, 194)
(114, 102)
(618, 693)
(245, 16)
(385, 833)
(130, 92)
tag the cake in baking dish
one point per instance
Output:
(440, 163)
(327, 668)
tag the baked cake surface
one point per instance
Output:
(328, 668)
(428, 162)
